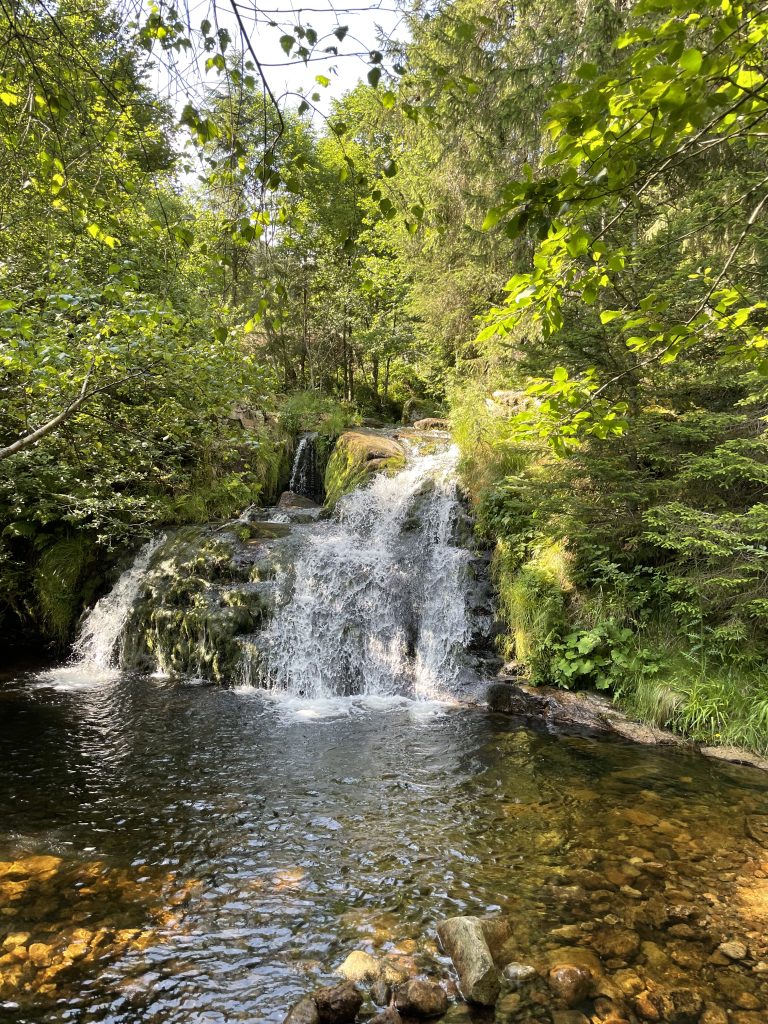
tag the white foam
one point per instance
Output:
(376, 603)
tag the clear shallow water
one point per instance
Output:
(209, 855)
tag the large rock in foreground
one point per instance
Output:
(418, 998)
(463, 939)
(338, 1004)
(359, 455)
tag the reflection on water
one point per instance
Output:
(177, 853)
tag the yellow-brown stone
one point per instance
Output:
(75, 951)
(40, 954)
(16, 939)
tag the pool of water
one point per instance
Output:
(178, 853)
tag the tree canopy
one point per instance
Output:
(547, 219)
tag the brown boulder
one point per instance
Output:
(419, 998)
(304, 1012)
(289, 499)
(431, 423)
(388, 1016)
(337, 1004)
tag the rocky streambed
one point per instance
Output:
(640, 945)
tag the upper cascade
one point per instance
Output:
(378, 600)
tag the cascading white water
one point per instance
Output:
(377, 603)
(99, 643)
(305, 478)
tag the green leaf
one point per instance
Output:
(492, 218)
(608, 315)
(691, 60)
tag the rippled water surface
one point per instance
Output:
(176, 853)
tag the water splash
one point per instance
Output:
(100, 642)
(376, 605)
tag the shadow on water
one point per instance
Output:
(177, 853)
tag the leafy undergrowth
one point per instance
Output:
(646, 584)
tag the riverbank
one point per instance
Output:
(596, 714)
(608, 582)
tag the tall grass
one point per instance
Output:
(704, 698)
(57, 574)
(532, 600)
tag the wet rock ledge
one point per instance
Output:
(591, 713)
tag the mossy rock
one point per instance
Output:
(260, 530)
(202, 593)
(357, 457)
(415, 409)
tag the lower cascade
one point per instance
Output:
(101, 639)
(386, 598)
(378, 600)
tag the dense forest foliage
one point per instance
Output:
(547, 219)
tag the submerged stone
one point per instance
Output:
(463, 939)
(620, 943)
(338, 1004)
(734, 950)
(360, 967)
(571, 983)
(517, 974)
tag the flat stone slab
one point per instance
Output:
(555, 707)
(590, 712)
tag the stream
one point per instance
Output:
(172, 851)
(213, 854)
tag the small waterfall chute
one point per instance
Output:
(100, 640)
(306, 476)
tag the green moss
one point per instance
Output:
(58, 582)
(356, 458)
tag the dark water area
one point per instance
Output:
(179, 853)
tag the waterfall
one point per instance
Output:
(100, 641)
(377, 602)
(306, 478)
